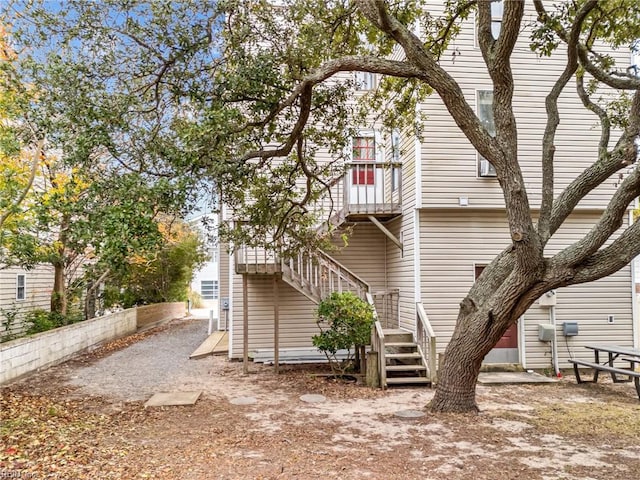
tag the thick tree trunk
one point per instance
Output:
(457, 377)
(477, 331)
(58, 296)
(90, 302)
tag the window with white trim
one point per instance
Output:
(484, 104)
(395, 158)
(364, 151)
(634, 68)
(365, 80)
(21, 286)
(209, 289)
(213, 254)
(497, 10)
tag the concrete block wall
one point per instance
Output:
(25, 355)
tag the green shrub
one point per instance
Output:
(9, 319)
(345, 323)
(196, 300)
(41, 320)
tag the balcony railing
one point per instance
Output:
(366, 188)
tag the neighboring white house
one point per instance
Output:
(424, 228)
(205, 281)
(20, 292)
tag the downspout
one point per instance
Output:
(416, 217)
(554, 342)
(522, 342)
(229, 313)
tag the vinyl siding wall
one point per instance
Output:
(453, 242)
(401, 262)
(449, 162)
(364, 255)
(296, 315)
(38, 282)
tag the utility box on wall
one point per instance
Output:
(546, 332)
(570, 329)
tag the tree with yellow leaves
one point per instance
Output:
(20, 152)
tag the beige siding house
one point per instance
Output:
(21, 291)
(422, 230)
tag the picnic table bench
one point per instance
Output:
(614, 352)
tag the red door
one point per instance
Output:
(510, 338)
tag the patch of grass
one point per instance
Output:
(611, 419)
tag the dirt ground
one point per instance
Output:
(86, 419)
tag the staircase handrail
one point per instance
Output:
(320, 274)
(426, 339)
(377, 342)
(355, 277)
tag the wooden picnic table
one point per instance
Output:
(613, 353)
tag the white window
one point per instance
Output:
(497, 9)
(209, 289)
(634, 67)
(21, 287)
(365, 80)
(484, 103)
(213, 254)
(395, 159)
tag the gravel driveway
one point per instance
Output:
(158, 363)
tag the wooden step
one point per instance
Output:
(405, 368)
(397, 335)
(402, 356)
(407, 380)
(401, 344)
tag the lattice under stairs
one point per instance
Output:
(404, 363)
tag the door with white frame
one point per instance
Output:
(366, 180)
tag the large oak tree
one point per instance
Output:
(219, 90)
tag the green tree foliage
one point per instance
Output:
(20, 152)
(245, 93)
(345, 323)
(162, 275)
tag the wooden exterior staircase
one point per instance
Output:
(312, 273)
(405, 359)
(316, 275)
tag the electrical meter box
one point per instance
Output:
(545, 332)
(570, 329)
(224, 303)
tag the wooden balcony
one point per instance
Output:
(367, 189)
(366, 192)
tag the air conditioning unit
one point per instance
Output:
(486, 169)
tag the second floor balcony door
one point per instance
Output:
(365, 179)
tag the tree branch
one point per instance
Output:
(39, 150)
(434, 75)
(618, 81)
(303, 93)
(610, 221)
(553, 120)
(623, 155)
(612, 258)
